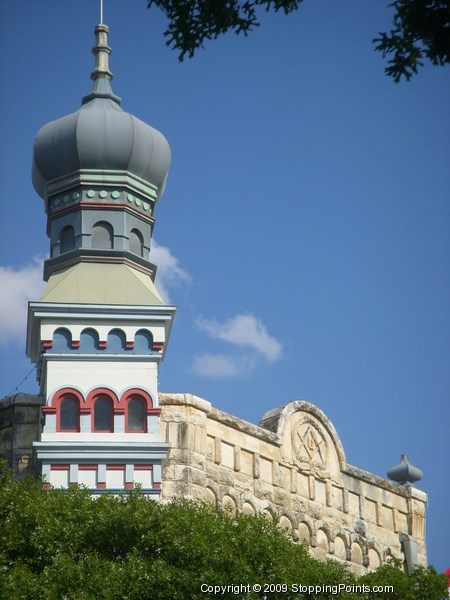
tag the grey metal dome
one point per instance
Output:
(405, 473)
(100, 136)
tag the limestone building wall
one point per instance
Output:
(19, 428)
(293, 465)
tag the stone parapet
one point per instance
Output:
(291, 465)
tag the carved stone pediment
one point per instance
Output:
(310, 449)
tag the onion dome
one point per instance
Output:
(100, 137)
(405, 473)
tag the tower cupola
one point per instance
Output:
(99, 136)
(100, 171)
(100, 330)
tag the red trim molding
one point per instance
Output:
(102, 344)
(158, 345)
(157, 485)
(129, 345)
(48, 410)
(101, 485)
(115, 467)
(105, 393)
(47, 344)
(129, 485)
(75, 344)
(63, 393)
(59, 467)
(143, 467)
(87, 467)
(137, 393)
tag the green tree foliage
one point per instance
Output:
(423, 583)
(421, 28)
(58, 544)
(193, 21)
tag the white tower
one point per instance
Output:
(101, 328)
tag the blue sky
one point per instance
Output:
(304, 230)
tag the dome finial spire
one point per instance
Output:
(101, 75)
(101, 12)
(101, 51)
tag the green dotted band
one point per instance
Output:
(103, 194)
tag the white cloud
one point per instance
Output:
(244, 330)
(17, 287)
(169, 273)
(221, 366)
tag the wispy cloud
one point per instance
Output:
(245, 331)
(221, 366)
(17, 287)
(169, 273)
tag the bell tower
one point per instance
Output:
(101, 327)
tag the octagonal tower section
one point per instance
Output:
(101, 328)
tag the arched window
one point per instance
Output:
(116, 342)
(69, 415)
(102, 236)
(143, 342)
(67, 239)
(135, 415)
(88, 341)
(62, 340)
(136, 242)
(103, 415)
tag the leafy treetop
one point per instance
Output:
(421, 28)
(64, 544)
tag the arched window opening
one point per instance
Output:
(68, 415)
(136, 415)
(103, 415)
(67, 239)
(88, 341)
(102, 236)
(62, 340)
(143, 342)
(116, 341)
(136, 242)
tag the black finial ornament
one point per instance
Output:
(405, 473)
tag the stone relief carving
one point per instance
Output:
(310, 447)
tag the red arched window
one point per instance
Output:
(136, 415)
(103, 403)
(138, 404)
(68, 414)
(67, 404)
(103, 414)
